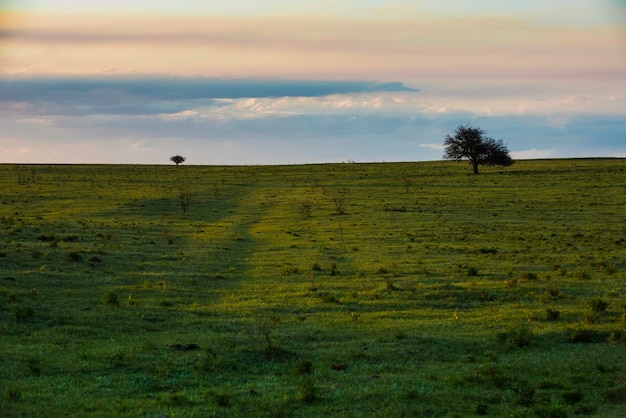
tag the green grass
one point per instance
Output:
(382, 290)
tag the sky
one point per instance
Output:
(307, 81)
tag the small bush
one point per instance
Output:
(552, 314)
(518, 337)
(46, 238)
(329, 298)
(528, 276)
(288, 270)
(586, 335)
(598, 305)
(303, 367)
(472, 272)
(177, 399)
(110, 298)
(617, 336)
(222, 399)
(525, 395)
(481, 409)
(389, 285)
(69, 238)
(573, 397)
(13, 395)
(334, 271)
(74, 256)
(24, 312)
(616, 394)
(550, 412)
(316, 267)
(308, 391)
(33, 365)
(265, 328)
(553, 292)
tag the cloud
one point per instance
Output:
(438, 147)
(534, 153)
(494, 50)
(151, 95)
(295, 130)
(136, 120)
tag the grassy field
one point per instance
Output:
(352, 290)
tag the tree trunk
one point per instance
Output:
(475, 166)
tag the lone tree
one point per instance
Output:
(471, 143)
(177, 159)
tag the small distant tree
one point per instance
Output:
(185, 198)
(471, 143)
(177, 159)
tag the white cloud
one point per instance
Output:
(438, 147)
(534, 153)
(185, 114)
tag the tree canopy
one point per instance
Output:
(177, 159)
(471, 143)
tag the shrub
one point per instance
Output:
(549, 412)
(617, 336)
(586, 335)
(222, 399)
(265, 327)
(334, 271)
(481, 409)
(616, 394)
(308, 391)
(177, 399)
(528, 276)
(340, 205)
(46, 238)
(552, 314)
(598, 305)
(525, 395)
(389, 285)
(316, 267)
(552, 292)
(110, 298)
(13, 395)
(24, 312)
(303, 367)
(329, 298)
(472, 272)
(518, 337)
(573, 397)
(74, 256)
(288, 270)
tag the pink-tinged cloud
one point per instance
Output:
(493, 50)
